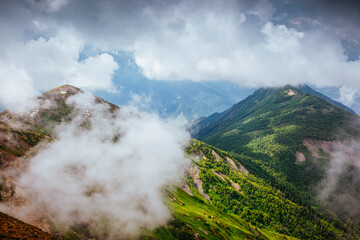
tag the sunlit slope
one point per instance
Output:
(219, 199)
(269, 127)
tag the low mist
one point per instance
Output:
(339, 191)
(106, 170)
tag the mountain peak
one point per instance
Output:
(301, 103)
(64, 89)
(299, 90)
(306, 89)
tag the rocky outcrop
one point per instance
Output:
(186, 188)
(237, 167)
(223, 177)
(194, 173)
(299, 157)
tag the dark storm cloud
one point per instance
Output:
(341, 17)
(119, 17)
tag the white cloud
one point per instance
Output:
(280, 39)
(43, 64)
(212, 45)
(348, 95)
(338, 190)
(95, 73)
(108, 173)
(16, 91)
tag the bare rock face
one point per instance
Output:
(291, 92)
(186, 188)
(316, 146)
(237, 167)
(299, 157)
(216, 155)
(62, 91)
(235, 185)
(194, 172)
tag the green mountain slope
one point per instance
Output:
(268, 129)
(219, 199)
(307, 89)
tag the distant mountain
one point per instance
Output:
(272, 127)
(172, 98)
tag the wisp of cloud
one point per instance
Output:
(339, 190)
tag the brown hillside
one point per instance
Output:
(11, 228)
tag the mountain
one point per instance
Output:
(221, 199)
(173, 98)
(12, 228)
(19, 133)
(285, 136)
(223, 195)
(306, 89)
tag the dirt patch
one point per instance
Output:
(235, 185)
(290, 92)
(216, 155)
(299, 157)
(11, 228)
(220, 175)
(202, 155)
(316, 146)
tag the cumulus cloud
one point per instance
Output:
(41, 64)
(94, 73)
(348, 95)
(107, 170)
(15, 82)
(213, 49)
